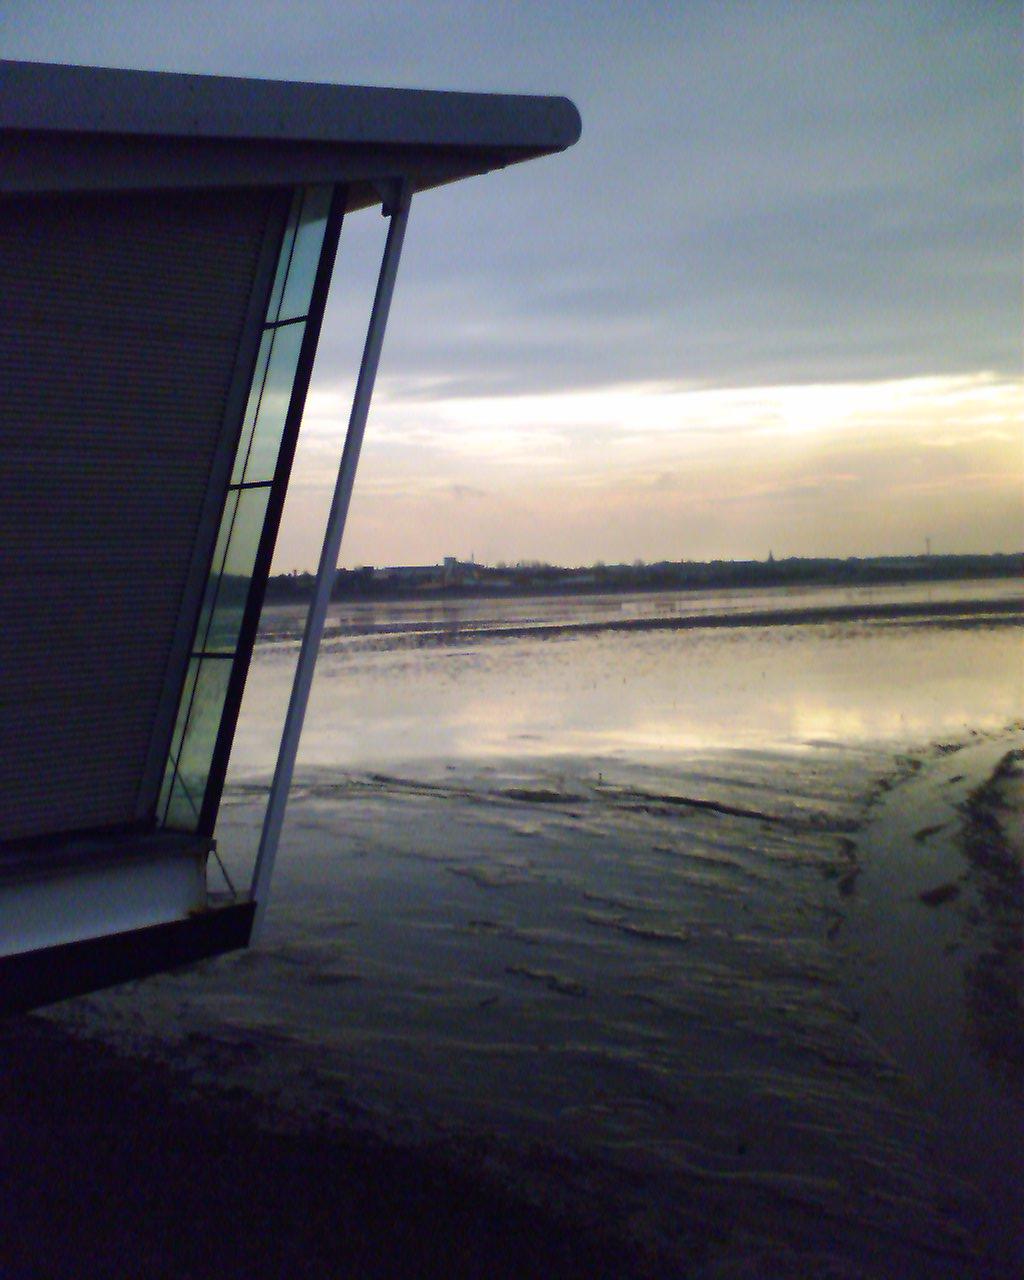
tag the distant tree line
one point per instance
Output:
(665, 575)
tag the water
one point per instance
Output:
(633, 694)
(421, 620)
(611, 912)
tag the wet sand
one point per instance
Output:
(738, 1049)
(117, 1166)
(648, 952)
(933, 932)
(984, 612)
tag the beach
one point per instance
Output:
(667, 949)
(115, 1165)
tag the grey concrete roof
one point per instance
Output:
(65, 127)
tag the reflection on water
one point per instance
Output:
(631, 694)
(452, 618)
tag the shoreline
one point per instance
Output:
(998, 612)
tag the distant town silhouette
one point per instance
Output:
(459, 578)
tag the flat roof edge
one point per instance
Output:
(50, 97)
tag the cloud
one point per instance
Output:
(762, 194)
(783, 259)
(657, 471)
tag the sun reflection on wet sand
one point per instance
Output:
(664, 692)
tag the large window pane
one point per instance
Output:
(201, 642)
(259, 462)
(309, 240)
(215, 644)
(196, 753)
(232, 592)
(285, 256)
(179, 733)
(252, 405)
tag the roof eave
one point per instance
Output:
(64, 128)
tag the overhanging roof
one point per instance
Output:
(94, 128)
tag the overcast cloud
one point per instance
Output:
(765, 195)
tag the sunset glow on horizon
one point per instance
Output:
(663, 472)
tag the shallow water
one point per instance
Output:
(634, 695)
(610, 913)
(409, 621)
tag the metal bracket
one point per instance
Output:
(395, 194)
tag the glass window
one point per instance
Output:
(188, 786)
(257, 456)
(201, 641)
(243, 519)
(309, 239)
(252, 406)
(285, 256)
(179, 733)
(228, 587)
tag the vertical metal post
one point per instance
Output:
(279, 788)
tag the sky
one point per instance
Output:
(771, 301)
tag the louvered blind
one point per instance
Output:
(120, 321)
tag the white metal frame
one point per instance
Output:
(397, 199)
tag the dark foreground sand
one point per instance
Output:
(116, 1167)
(127, 1163)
